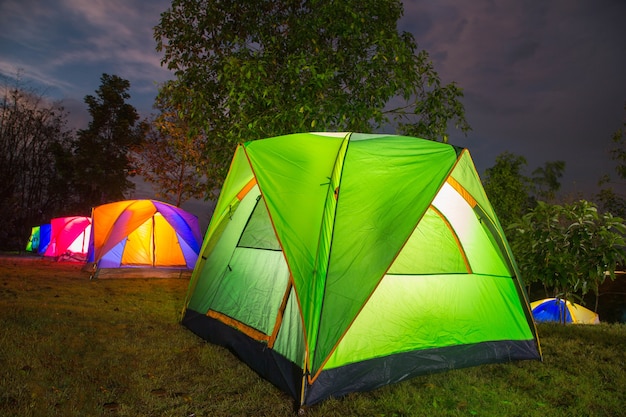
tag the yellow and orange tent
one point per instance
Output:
(136, 234)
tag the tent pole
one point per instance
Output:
(153, 243)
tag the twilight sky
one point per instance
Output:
(542, 79)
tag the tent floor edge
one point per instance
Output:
(375, 373)
(266, 362)
(143, 272)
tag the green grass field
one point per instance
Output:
(70, 346)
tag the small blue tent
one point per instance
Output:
(555, 309)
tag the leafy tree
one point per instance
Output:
(102, 163)
(569, 249)
(610, 200)
(512, 193)
(170, 158)
(255, 69)
(507, 187)
(537, 244)
(546, 180)
(32, 129)
(618, 153)
(596, 243)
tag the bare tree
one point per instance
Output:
(32, 132)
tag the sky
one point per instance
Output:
(545, 80)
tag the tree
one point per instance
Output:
(101, 158)
(507, 187)
(512, 193)
(610, 200)
(537, 240)
(545, 180)
(597, 245)
(618, 152)
(255, 69)
(569, 249)
(170, 158)
(32, 131)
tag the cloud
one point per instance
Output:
(62, 44)
(541, 79)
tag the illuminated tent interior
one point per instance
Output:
(341, 262)
(143, 238)
(69, 238)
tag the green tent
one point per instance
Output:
(341, 262)
(33, 241)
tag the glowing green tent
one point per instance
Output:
(340, 262)
(33, 240)
(39, 239)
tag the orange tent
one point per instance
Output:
(144, 234)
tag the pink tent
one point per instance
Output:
(69, 238)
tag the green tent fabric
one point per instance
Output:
(33, 241)
(341, 262)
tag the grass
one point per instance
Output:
(74, 347)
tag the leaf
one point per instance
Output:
(258, 64)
